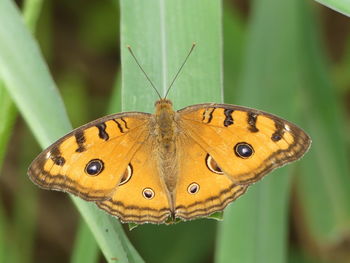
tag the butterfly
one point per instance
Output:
(185, 164)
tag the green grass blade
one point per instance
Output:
(161, 33)
(184, 247)
(255, 226)
(26, 84)
(8, 111)
(115, 101)
(28, 81)
(31, 11)
(234, 42)
(4, 229)
(24, 218)
(108, 233)
(342, 6)
(85, 249)
(326, 168)
(75, 96)
(161, 37)
(340, 70)
(21, 231)
(297, 256)
(8, 115)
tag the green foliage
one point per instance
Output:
(341, 6)
(85, 247)
(36, 96)
(269, 76)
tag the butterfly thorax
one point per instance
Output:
(165, 130)
(165, 124)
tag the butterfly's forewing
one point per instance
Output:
(142, 197)
(245, 143)
(91, 160)
(202, 188)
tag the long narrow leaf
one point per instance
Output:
(22, 231)
(28, 81)
(342, 6)
(255, 229)
(85, 249)
(326, 182)
(7, 117)
(161, 33)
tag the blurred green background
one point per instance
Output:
(288, 57)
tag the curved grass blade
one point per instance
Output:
(85, 249)
(20, 230)
(234, 41)
(342, 6)
(327, 167)
(8, 115)
(255, 226)
(28, 81)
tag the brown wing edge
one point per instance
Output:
(230, 195)
(162, 217)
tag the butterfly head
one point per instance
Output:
(163, 105)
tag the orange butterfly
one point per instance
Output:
(184, 164)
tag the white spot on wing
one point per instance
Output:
(286, 127)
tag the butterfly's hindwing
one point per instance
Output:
(144, 197)
(202, 187)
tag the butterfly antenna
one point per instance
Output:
(178, 72)
(137, 62)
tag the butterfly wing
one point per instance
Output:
(223, 149)
(202, 188)
(244, 143)
(143, 196)
(91, 161)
